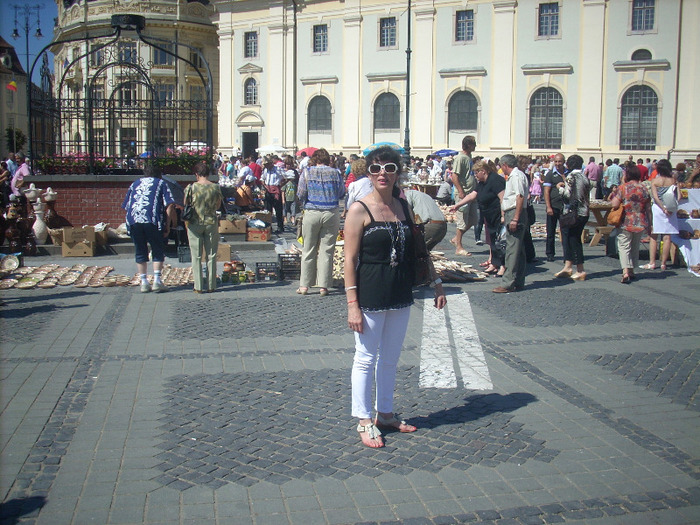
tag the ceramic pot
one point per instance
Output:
(40, 229)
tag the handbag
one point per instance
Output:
(668, 199)
(616, 217)
(421, 263)
(569, 215)
(188, 211)
(500, 242)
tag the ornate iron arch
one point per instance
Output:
(113, 109)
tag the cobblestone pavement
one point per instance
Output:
(233, 407)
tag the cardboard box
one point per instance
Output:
(73, 235)
(259, 235)
(101, 238)
(224, 252)
(78, 249)
(236, 226)
(261, 216)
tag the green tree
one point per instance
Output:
(16, 139)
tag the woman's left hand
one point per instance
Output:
(440, 299)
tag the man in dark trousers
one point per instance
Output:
(553, 201)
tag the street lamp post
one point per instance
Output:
(25, 12)
(407, 135)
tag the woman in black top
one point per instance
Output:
(379, 269)
(489, 192)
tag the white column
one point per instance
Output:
(350, 88)
(502, 71)
(273, 105)
(225, 110)
(423, 77)
(591, 72)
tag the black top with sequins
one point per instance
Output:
(381, 285)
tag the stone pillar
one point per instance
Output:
(590, 75)
(275, 103)
(502, 82)
(422, 118)
(227, 82)
(350, 88)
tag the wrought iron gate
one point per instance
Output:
(118, 105)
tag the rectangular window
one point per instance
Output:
(99, 141)
(548, 20)
(98, 96)
(161, 58)
(127, 52)
(464, 26)
(97, 56)
(387, 32)
(127, 94)
(197, 96)
(165, 94)
(196, 58)
(320, 38)
(643, 15)
(251, 44)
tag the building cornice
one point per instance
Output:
(463, 72)
(306, 81)
(249, 69)
(647, 65)
(380, 77)
(552, 69)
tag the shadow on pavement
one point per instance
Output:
(476, 407)
(12, 510)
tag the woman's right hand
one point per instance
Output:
(355, 317)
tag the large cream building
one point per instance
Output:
(608, 78)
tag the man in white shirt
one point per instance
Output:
(428, 213)
(514, 213)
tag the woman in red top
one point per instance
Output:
(634, 196)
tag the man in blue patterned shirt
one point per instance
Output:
(150, 211)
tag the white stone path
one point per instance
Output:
(450, 351)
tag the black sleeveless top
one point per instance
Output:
(380, 285)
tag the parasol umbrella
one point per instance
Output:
(146, 155)
(446, 152)
(310, 150)
(376, 145)
(194, 145)
(272, 149)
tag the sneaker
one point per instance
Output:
(145, 287)
(159, 287)
(479, 242)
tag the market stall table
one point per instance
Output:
(600, 210)
(430, 189)
(689, 223)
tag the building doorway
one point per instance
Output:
(250, 143)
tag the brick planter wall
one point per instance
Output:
(91, 199)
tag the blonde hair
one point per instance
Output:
(359, 167)
(486, 165)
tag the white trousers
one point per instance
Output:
(377, 352)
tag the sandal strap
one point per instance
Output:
(371, 430)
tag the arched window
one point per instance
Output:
(387, 113)
(462, 112)
(640, 108)
(546, 119)
(641, 54)
(320, 118)
(251, 92)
